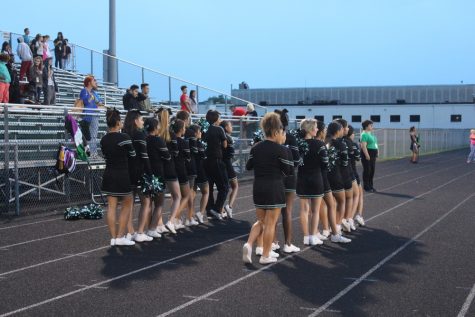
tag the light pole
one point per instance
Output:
(112, 65)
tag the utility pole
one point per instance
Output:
(112, 65)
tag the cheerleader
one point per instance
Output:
(182, 158)
(159, 156)
(358, 203)
(138, 166)
(171, 178)
(327, 208)
(216, 141)
(228, 155)
(270, 161)
(116, 149)
(290, 187)
(310, 182)
(190, 137)
(347, 176)
(334, 133)
(201, 180)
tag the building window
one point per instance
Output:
(355, 118)
(320, 118)
(395, 118)
(456, 118)
(337, 117)
(375, 118)
(300, 117)
(415, 118)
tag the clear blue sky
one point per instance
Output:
(275, 43)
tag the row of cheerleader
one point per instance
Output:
(145, 156)
(315, 163)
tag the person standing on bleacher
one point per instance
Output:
(26, 56)
(90, 121)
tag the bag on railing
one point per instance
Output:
(65, 160)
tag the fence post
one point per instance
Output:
(17, 184)
(169, 91)
(197, 99)
(92, 63)
(6, 151)
(143, 76)
(385, 143)
(241, 155)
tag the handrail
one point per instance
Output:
(163, 74)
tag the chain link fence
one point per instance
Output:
(32, 135)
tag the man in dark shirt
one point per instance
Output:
(130, 99)
(215, 139)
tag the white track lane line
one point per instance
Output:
(467, 303)
(386, 259)
(242, 212)
(331, 301)
(173, 259)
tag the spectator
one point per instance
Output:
(369, 148)
(184, 101)
(90, 122)
(193, 101)
(130, 99)
(26, 57)
(49, 83)
(144, 99)
(26, 36)
(237, 111)
(59, 50)
(67, 54)
(36, 78)
(46, 50)
(14, 91)
(6, 49)
(251, 124)
(36, 46)
(5, 78)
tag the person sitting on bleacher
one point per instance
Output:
(130, 99)
(144, 99)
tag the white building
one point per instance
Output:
(440, 106)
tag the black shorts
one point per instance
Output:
(268, 193)
(230, 169)
(347, 177)
(335, 181)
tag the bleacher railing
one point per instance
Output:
(164, 88)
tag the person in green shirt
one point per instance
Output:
(369, 148)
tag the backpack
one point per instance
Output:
(65, 160)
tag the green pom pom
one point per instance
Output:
(258, 136)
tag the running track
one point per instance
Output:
(414, 258)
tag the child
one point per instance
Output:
(471, 156)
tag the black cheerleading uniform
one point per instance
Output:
(325, 168)
(200, 157)
(191, 164)
(139, 164)
(290, 181)
(345, 166)
(158, 154)
(181, 160)
(309, 177)
(117, 148)
(334, 174)
(355, 155)
(271, 162)
(228, 155)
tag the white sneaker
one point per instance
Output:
(290, 248)
(112, 242)
(123, 241)
(275, 246)
(338, 238)
(345, 225)
(306, 240)
(260, 251)
(326, 233)
(352, 224)
(229, 211)
(360, 220)
(162, 229)
(247, 253)
(224, 214)
(153, 234)
(142, 237)
(193, 222)
(338, 227)
(321, 236)
(130, 236)
(199, 217)
(215, 214)
(179, 224)
(267, 260)
(314, 240)
(171, 227)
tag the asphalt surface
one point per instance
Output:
(414, 258)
